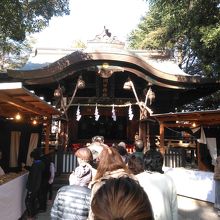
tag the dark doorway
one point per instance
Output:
(105, 126)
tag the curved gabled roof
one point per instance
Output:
(129, 61)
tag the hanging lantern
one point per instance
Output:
(151, 95)
(58, 92)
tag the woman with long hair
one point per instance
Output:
(110, 165)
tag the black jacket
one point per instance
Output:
(35, 176)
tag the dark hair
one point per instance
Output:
(135, 164)
(121, 199)
(139, 145)
(121, 150)
(36, 154)
(153, 161)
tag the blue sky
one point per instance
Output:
(88, 18)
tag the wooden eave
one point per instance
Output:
(80, 60)
(186, 119)
(14, 98)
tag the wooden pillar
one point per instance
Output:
(47, 137)
(142, 130)
(147, 144)
(201, 165)
(162, 148)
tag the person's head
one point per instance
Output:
(122, 199)
(36, 154)
(99, 139)
(122, 151)
(139, 145)
(109, 160)
(122, 144)
(153, 161)
(84, 154)
(96, 149)
(135, 164)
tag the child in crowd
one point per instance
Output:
(84, 172)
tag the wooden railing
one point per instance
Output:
(178, 156)
(65, 162)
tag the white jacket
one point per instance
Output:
(161, 192)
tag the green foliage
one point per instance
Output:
(14, 54)
(19, 17)
(210, 102)
(189, 27)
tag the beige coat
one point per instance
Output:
(217, 169)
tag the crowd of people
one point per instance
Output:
(110, 183)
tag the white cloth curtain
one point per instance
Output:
(211, 144)
(14, 148)
(32, 145)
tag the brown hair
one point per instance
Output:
(121, 199)
(109, 160)
(85, 154)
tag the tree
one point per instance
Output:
(210, 102)
(191, 28)
(14, 54)
(19, 17)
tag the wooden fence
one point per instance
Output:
(66, 162)
(180, 157)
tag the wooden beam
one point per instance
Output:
(177, 125)
(47, 137)
(190, 117)
(162, 148)
(20, 104)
